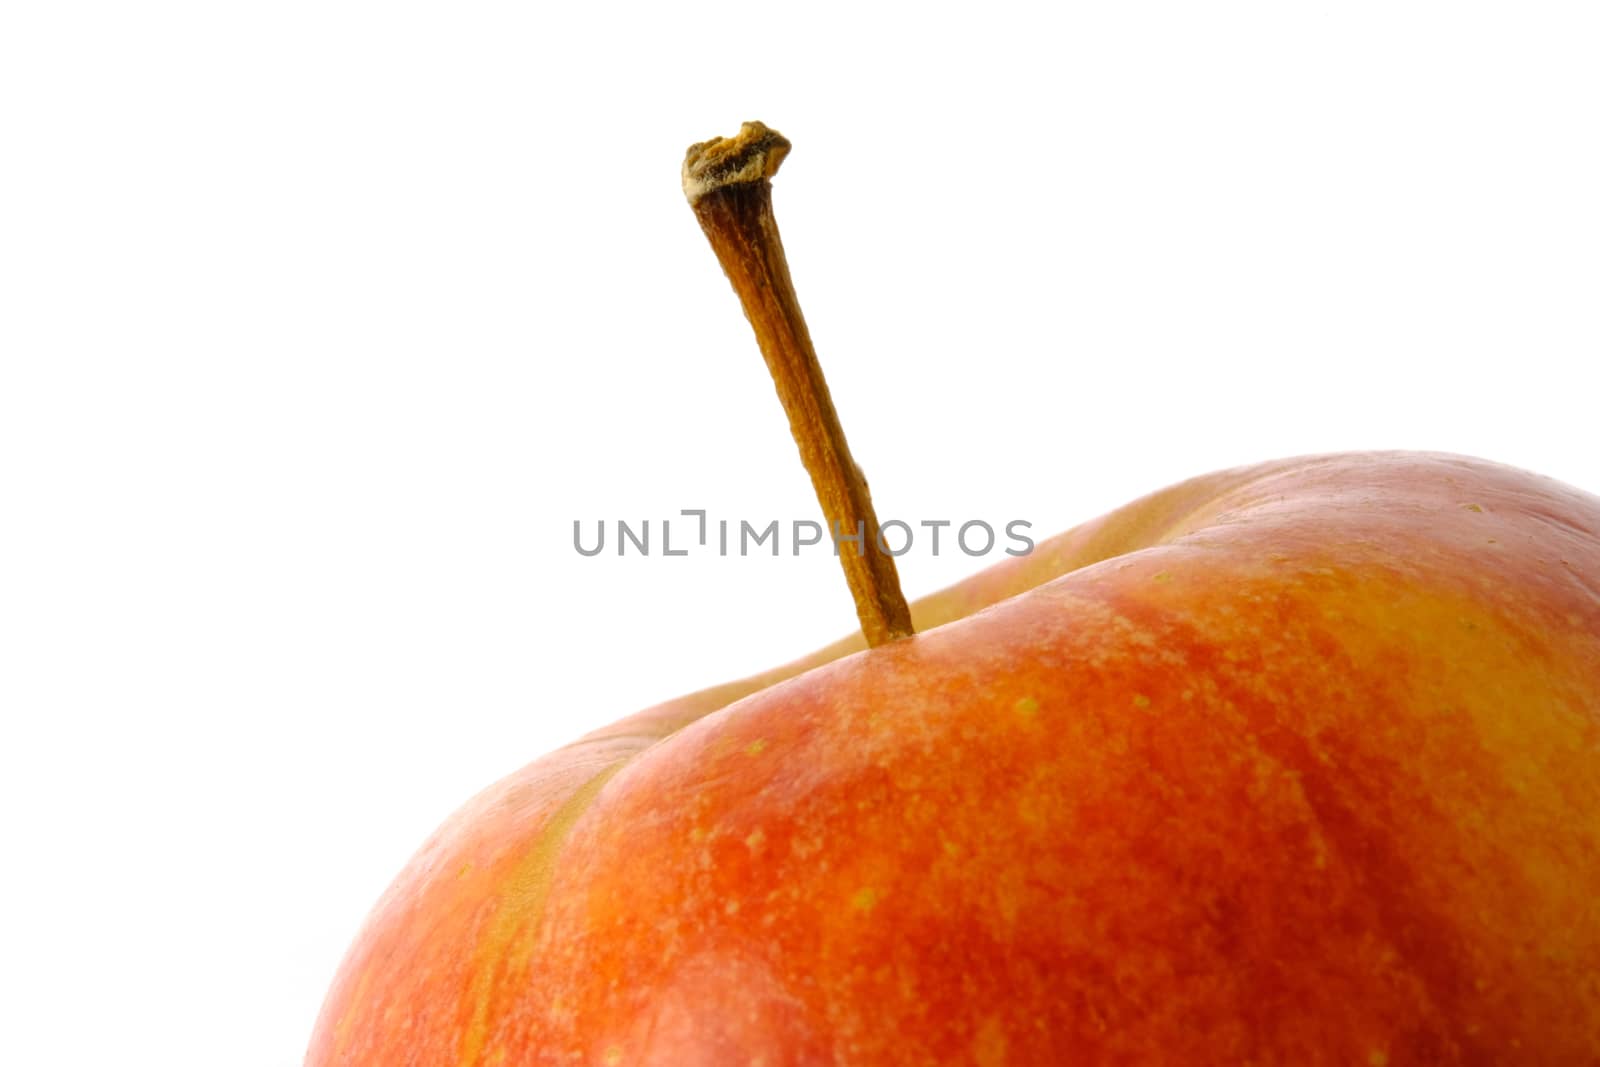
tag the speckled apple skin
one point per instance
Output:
(1293, 764)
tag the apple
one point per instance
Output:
(1293, 763)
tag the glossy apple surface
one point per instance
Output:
(1298, 763)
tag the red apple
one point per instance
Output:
(1297, 763)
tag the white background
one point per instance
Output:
(322, 322)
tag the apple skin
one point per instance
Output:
(1298, 763)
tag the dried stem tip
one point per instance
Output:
(726, 183)
(752, 156)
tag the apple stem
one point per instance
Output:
(727, 181)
